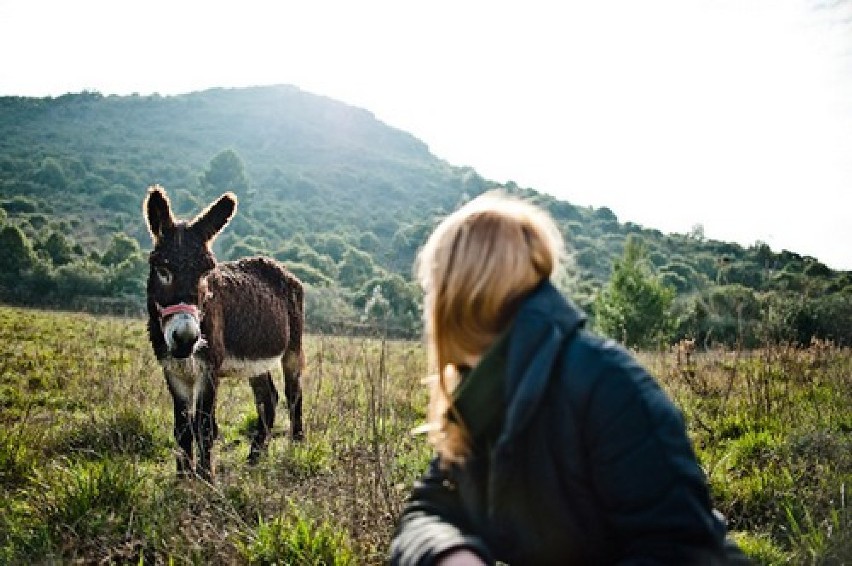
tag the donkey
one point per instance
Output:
(208, 319)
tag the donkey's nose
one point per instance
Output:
(181, 332)
(183, 345)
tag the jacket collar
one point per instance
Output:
(545, 301)
(543, 321)
(480, 397)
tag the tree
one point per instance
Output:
(403, 297)
(297, 251)
(40, 281)
(367, 241)
(247, 247)
(81, 279)
(51, 174)
(309, 274)
(696, 233)
(332, 245)
(121, 248)
(119, 199)
(20, 205)
(325, 308)
(732, 312)
(128, 277)
(394, 301)
(16, 252)
(226, 172)
(355, 268)
(58, 248)
(635, 307)
(377, 308)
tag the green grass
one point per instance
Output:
(87, 472)
(295, 539)
(86, 451)
(771, 429)
(761, 549)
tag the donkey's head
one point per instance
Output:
(180, 262)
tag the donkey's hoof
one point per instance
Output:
(254, 457)
(185, 468)
(205, 475)
(183, 475)
(297, 435)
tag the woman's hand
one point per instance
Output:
(461, 557)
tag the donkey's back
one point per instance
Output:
(255, 307)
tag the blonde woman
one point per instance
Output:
(552, 446)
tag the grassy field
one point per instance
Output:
(87, 471)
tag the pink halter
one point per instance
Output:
(191, 310)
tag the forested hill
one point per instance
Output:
(342, 198)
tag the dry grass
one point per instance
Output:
(83, 402)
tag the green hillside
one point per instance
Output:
(344, 200)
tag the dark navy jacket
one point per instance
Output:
(592, 464)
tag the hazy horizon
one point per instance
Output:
(730, 114)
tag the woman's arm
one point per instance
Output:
(460, 557)
(645, 472)
(433, 525)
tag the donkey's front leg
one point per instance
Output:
(183, 434)
(265, 400)
(205, 430)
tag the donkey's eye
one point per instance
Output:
(163, 274)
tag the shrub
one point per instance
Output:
(127, 431)
(81, 500)
(761, 549)
(297, 539)
(17, 458)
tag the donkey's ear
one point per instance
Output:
(158, 212)
(215, 217)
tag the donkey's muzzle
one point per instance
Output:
(182, 332)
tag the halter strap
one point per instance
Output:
(185, 308)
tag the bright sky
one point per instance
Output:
(735, 114)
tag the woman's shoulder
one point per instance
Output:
(589, 356)
(596, 370)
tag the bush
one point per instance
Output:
(127, 432)
(73, 500)
(20, 205)
(297, 539)
(761, 549)
(81, 279)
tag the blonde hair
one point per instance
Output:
(474, 269)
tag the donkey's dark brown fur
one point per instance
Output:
(207, 319)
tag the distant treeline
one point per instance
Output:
(345, 201)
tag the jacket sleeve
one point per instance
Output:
(644, 469)
(433, 523)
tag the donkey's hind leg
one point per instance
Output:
(292, 365)
(265, 400)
